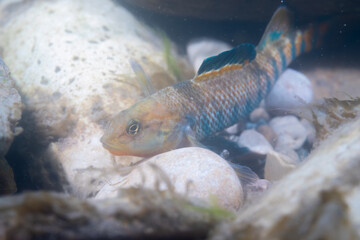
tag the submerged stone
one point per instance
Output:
(278, 165)
(255, 141)
(291, 91)
(290, 132)
(10, 114)
(193, 172)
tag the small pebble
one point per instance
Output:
(291, 133)
(259, 114)
(277, 166)
(255, 141)
(310, 130)
(289, 153)
(268, 133)
(292, 90)
(233, 130)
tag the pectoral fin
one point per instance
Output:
(143, 79)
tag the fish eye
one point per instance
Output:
(133, 127)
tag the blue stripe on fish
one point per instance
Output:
(302, 48)
(283, 59)
(293, 47)
(275, 69)
(268, 83)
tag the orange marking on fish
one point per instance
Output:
(298, 40)
(287, 52)
(220, 71)
(308, 39)
(277, 59)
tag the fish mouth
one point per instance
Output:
(113, 150)
(120, 152)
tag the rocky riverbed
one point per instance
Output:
(290, 169)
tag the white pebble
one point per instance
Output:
(199, 50)
(291, 133)
(234, 129)
(292, 89)
(289, 153)
(255, 141)
(310, 130)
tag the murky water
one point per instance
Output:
(121, 100)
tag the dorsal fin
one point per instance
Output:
(280, 24)
(237, 56)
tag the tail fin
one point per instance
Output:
(279, 25)
(310, 38)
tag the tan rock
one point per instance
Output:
(277, 165)
(195, 172)
(259, 114)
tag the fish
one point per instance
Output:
(225, 90)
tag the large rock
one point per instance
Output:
(319, 200)
(136, 214)
(7, 182)
(194, 172)
(70, 60)
(10, 114)
(10, 109)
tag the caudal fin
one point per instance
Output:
(310, 38)
(282, 42)
(279, 25)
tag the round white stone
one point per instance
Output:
(292, 89)
(291, 133)
(195, 172)
(255, 141)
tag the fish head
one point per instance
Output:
(144, 130)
